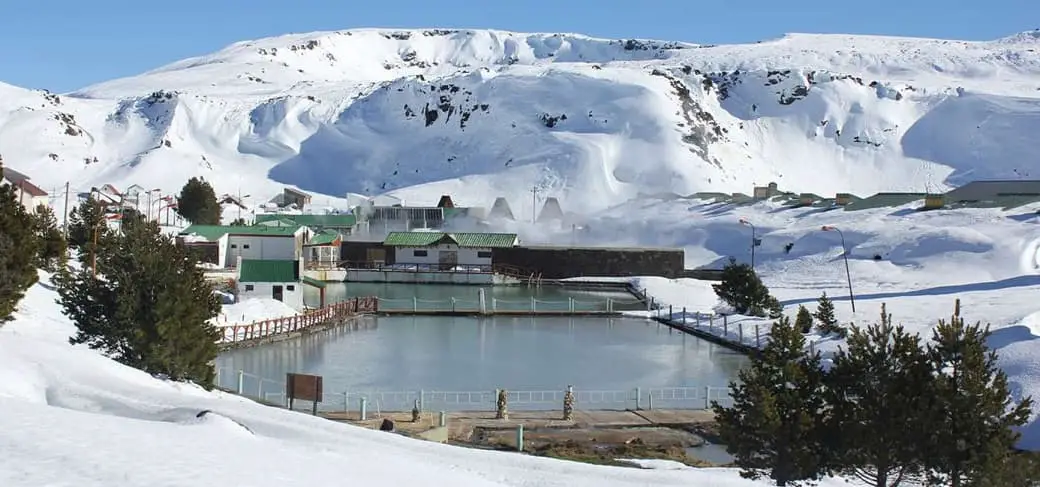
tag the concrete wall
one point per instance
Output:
(408, 277)
(261, 248)
(292, 297)
(465, 256)
(560, 262)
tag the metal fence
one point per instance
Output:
(685, 397)
(491, 305)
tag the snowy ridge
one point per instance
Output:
(364, 111)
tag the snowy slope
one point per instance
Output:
(480, 113)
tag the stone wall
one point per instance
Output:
(563, 262)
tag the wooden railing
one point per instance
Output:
(289, 324)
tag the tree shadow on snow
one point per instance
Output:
(1013, 282)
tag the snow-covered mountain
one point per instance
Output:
(477, 113)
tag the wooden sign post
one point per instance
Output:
(305, 387)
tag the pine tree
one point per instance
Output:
(17, 251)
(149, 306)
(51, 248)
(973, 412)
(742, 289)
(198, 204)
(86, 224)
(803, 320)
(826, 322)
(775, 426)
(876, 429)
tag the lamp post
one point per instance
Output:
(754, 240)
(845, 255)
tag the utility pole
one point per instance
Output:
(534, 203)
(65, 216)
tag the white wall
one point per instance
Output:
(292, 298)
(222, 252)
(466, 256)
(260, 248)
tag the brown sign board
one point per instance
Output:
(304, 387)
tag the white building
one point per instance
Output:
(224, 245)
(446, 251)
(275, 279)
(28, 194)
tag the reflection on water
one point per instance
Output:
(468, 353)
(511, 297)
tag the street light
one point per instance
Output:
(845, 255)
(745, 221)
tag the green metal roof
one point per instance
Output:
(214, 232)
(324, 237)
(208, 232)
(314, 282)
(268, 271)
(307, 220)
(425, 239)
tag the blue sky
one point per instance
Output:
(62, 45)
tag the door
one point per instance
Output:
(448, 259)
(276, 292)
(377, 257)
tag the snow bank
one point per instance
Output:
(250, 310)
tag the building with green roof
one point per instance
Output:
(342, 223)
(275, 279)
(223, 245)
(446, 251)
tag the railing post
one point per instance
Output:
(610, 305)
(639, 398)
(415, 304)
(671, 316)
(707, 397)
(241, 381)
(533, 305)
(697, 317)
(482, 299)
(570, 304)
(422, 404)
(520, 437)
(364, 408)
(494, 304)
(442, 419)
(725, 326)
(740, 329)
(650, 401)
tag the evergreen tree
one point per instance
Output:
(824, 315)
(87, 225)
(775, 426)
(198, 204)
(742, 289)
(973, 412)
(876, 429)
(17, 251)
(51, 247)
(149, 306)
(803, 320)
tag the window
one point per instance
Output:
(419, 253)
(483, 254)
(290, 287)
(249, 287)
(234, 246)
(245, 246)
